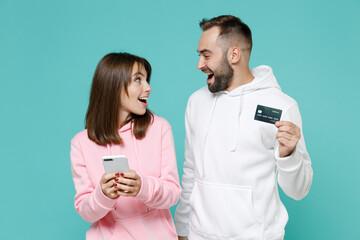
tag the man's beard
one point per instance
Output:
(223, 76)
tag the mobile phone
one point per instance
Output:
(115, 164)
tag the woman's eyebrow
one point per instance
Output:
(138, 73)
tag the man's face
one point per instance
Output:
(213, 61)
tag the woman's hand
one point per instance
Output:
(108, 184)
(128, 184)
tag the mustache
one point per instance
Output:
(206, 70)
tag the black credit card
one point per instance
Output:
(267, 114)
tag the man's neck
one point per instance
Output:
(241, 77)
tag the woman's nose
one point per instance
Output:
(147, 87)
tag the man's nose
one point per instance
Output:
(200, 64)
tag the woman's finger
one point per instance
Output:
(127, 194)
(106, 177)
(126, 181)
(111, 192)
(126, 188)
(132, 174)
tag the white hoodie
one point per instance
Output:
(232, 164)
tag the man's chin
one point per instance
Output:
(212, 88)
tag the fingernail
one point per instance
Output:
(114, 185)
(122, 174)
(117, 174)
(116, 179)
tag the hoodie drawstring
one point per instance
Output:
(136, 152)
(211, 117)
(208, 129)
(135, 147)
(236, 137)
(108, 149)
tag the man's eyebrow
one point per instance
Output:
(204, 51)
(138, 73)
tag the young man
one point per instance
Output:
(243, 135)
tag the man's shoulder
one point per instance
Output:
(201, 94)
(282, 97)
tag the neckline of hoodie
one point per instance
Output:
(263, 78)
(126, 127)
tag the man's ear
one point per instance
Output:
(234, 55)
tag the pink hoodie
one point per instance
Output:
(145, 216)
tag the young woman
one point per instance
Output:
(134, 204)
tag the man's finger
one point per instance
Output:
(284, 141)
(284, 123)
(288, 129)
(284, 135)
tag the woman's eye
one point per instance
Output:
(137, 80)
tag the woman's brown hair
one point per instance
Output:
(113, 75)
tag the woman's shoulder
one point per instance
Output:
(160, 122)
(81, 136)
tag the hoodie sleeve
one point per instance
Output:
(183, 210)
(294, 172)
(163, 192)
(91, 203)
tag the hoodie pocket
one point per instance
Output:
(224, 211)
(152, 225)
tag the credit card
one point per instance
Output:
(267, 114)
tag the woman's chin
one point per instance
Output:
(140, 112)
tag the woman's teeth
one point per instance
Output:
(143, 100)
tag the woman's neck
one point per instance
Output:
(124, 118)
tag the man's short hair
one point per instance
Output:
(232, 30)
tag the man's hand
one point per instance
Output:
(182, 238)
(288, 136)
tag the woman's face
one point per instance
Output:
(138, 94)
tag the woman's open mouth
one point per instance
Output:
(144, 100)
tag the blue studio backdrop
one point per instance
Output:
(48, 54)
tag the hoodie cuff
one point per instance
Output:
(143, 194)
(103, 200)
(182, 229)
(290, 163)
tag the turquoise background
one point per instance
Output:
(48, 54)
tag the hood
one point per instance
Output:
(264, 78)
